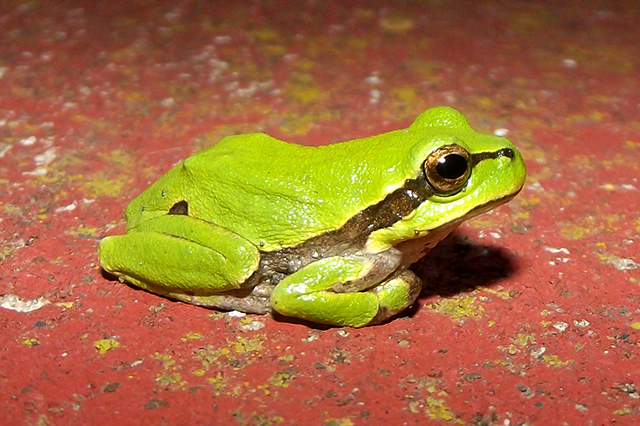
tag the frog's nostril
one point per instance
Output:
(506, 152)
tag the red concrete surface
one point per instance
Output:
(531, 314)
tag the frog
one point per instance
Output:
(315, 234)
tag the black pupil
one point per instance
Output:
(452, 166)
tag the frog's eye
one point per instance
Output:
(448, 168)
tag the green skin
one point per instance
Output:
(324, 234)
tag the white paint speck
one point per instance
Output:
(167, 102)
(622, 264)
(557, 250)
(374, 96)
(38, 171)
(67, 208)
(4, 149)
(46, 157)
(14, 303)
(28, 141)
(222, 39)
(561, 326)
(581, 323)
(373, 79)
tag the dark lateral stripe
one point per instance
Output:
(355, 232)
(395, 206)
(400, 203)
(504, 152)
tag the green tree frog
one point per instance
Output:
(325, 234)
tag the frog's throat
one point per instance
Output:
(354, 234)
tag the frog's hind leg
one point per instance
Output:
(351, 290)
(182, 258)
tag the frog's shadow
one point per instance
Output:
(456, 265)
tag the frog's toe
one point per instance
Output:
(396, 294)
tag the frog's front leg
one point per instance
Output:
(348, 291)
(187, 259)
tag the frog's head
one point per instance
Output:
(464, 173)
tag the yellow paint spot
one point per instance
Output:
(83, 232)
(511, 349)
(192, 336)
(166, 360)
(274, 50)
(244, 345)
(199, 373)
(396, 23)
(305, 93)
(529, 202)
(573, 231)
(218, 383)
(100, 183)
(438, 409)
(286, 358)
(358, 43)
(265, 34)
(505, 295)
(105, 345)
(485, 102)
(635, 325)
(239, 353)
(338, 422)
(405, 94)
(31, 342)
(283, 378)
(555, 361)
(523, 339)
(264, 388)
(458, 308)
(169, 379)
(623, 411)
(117, 157)
(209, 356)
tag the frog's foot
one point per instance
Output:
(396, 294)
(316, 293)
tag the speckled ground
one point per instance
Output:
(531, 313)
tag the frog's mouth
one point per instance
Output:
(489, 205)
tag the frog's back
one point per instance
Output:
(278, 194)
